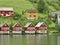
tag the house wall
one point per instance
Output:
(6, 13)
(17, 28)
(29, 28)
(5, 28)
(32, 15)
(42, 27)
(58, 16)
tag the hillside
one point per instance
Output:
(18, 5)
(21, 5)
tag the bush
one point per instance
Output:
(0, 15)
(16, 16)
(33, 1)
(42, 7)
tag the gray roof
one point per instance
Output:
(54, 12)
(31, 11)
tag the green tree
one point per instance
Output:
(41, 6)
(33, 1)
(16, 16)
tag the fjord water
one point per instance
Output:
(41, 39)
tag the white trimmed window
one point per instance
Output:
(5, 28)
(18, 28)
(31, 28)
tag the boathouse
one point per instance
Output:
(29, 28)
(4, 28)
(17, 28)
(41, 27)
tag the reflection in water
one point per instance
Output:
(4, 40)
(58, 40)
(52, 40)
(41, 39)
(29, 40)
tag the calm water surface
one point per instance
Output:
(40, 39)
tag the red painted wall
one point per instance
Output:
(42, 26)
(29, 27)
(6, 12)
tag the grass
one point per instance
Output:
(52, 24)
(18, 5)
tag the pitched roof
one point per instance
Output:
(16, 24)
(54, 12)
(31, 10)
(27, 24)
(6, 9)
(1, 24)
(39, 24)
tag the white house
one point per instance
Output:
(58, 17)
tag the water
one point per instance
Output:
(40, 39)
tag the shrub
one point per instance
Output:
(16, 16)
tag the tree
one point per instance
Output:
(41, 6)
(33, 1)
(16, 16)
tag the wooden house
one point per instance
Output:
(41, 27)
(4, 28)
(31, 14)
(29, 28)
(17, 28)
(6, 11)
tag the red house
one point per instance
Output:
(41, 27)
(4, 28)
(6, 11)
(29, 28)
(17, 28)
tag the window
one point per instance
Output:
(34, 15)
(31, 28)
(5, 28)
(43, 28)
(17, 29)
(29, 15)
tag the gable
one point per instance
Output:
(17, 25)
(5, 25)
(31, 25)
(43, 25)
